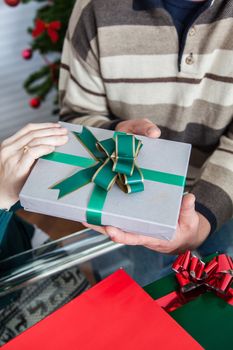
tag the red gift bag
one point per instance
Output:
(116, 314)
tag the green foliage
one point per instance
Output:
(45, 78)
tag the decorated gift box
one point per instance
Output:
(109, 178)
(200, 298)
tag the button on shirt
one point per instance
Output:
(183, 13)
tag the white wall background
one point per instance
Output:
(14, 109)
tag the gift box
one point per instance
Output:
(109, 178)
(202, 305)
(115, 314)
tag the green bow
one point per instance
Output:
(115, 163)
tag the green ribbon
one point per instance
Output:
(113, 160)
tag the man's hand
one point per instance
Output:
(191, 232)
(18, 154)
(139, 127)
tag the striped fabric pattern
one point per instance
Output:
(120, 62)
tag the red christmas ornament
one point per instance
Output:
(12, 2)
(35, 102)
(27, 54)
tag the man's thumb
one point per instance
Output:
(187, 208)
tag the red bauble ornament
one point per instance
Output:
(12, 2)
(35, 102)
(27, 54)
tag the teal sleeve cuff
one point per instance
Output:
(5, 217)
(16, 207)
(15, 234)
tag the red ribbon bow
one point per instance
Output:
(216, 275)
(196, 277)
(51, 28)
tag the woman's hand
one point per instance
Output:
(18, 154)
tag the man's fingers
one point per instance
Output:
(147, 128)
(28, 128)
(143, 127)
(121, 237)
(128, 238)
(116, 234)
(153, 132)
(100, 229)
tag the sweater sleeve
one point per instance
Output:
(81, 89)
(214, 190)
(15, 233)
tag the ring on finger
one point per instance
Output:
(26, 149)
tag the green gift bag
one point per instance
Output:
(205, 312)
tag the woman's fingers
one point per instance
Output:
(28, 128)
(19, 152)
(50, 140)
(36, 134)
(31, 155)
(7, 154)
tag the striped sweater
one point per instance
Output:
(122, 60)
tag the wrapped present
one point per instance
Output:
(200, 298)
(115, 314)
(109, 178)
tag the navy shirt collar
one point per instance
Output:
(143, 5)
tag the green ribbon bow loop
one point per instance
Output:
(115, 163)
(119, 165)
